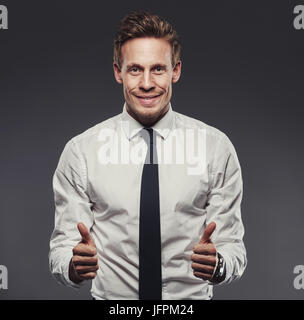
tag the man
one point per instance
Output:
(168, 227)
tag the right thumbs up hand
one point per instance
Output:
(84, 263)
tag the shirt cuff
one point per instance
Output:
(62, 275)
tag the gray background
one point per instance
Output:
(242, 73)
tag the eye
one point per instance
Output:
(134, 70)
(159, 69)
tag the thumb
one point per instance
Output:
(85, 234)
(208, 232)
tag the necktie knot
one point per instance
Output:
(149, 136)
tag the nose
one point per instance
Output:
(146, 81)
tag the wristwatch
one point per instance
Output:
(220, 271)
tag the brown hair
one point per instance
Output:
(138, 24)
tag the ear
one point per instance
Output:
(117, 73)
(177, 71)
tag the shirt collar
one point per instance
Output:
(131, 127)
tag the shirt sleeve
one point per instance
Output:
(224, 208)
(72, 205)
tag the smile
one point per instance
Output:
(147, 98)
(148, 101)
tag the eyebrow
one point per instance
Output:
(132, 65)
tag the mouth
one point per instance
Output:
(148, 100)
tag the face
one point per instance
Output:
(147, 76)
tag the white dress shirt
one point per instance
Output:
(98, 181)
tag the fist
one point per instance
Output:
(204, 255)
(84, 263)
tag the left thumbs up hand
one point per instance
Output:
(204, 255)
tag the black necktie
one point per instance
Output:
(150, 280)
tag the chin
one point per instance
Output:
(150, 112)
(147, 115)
